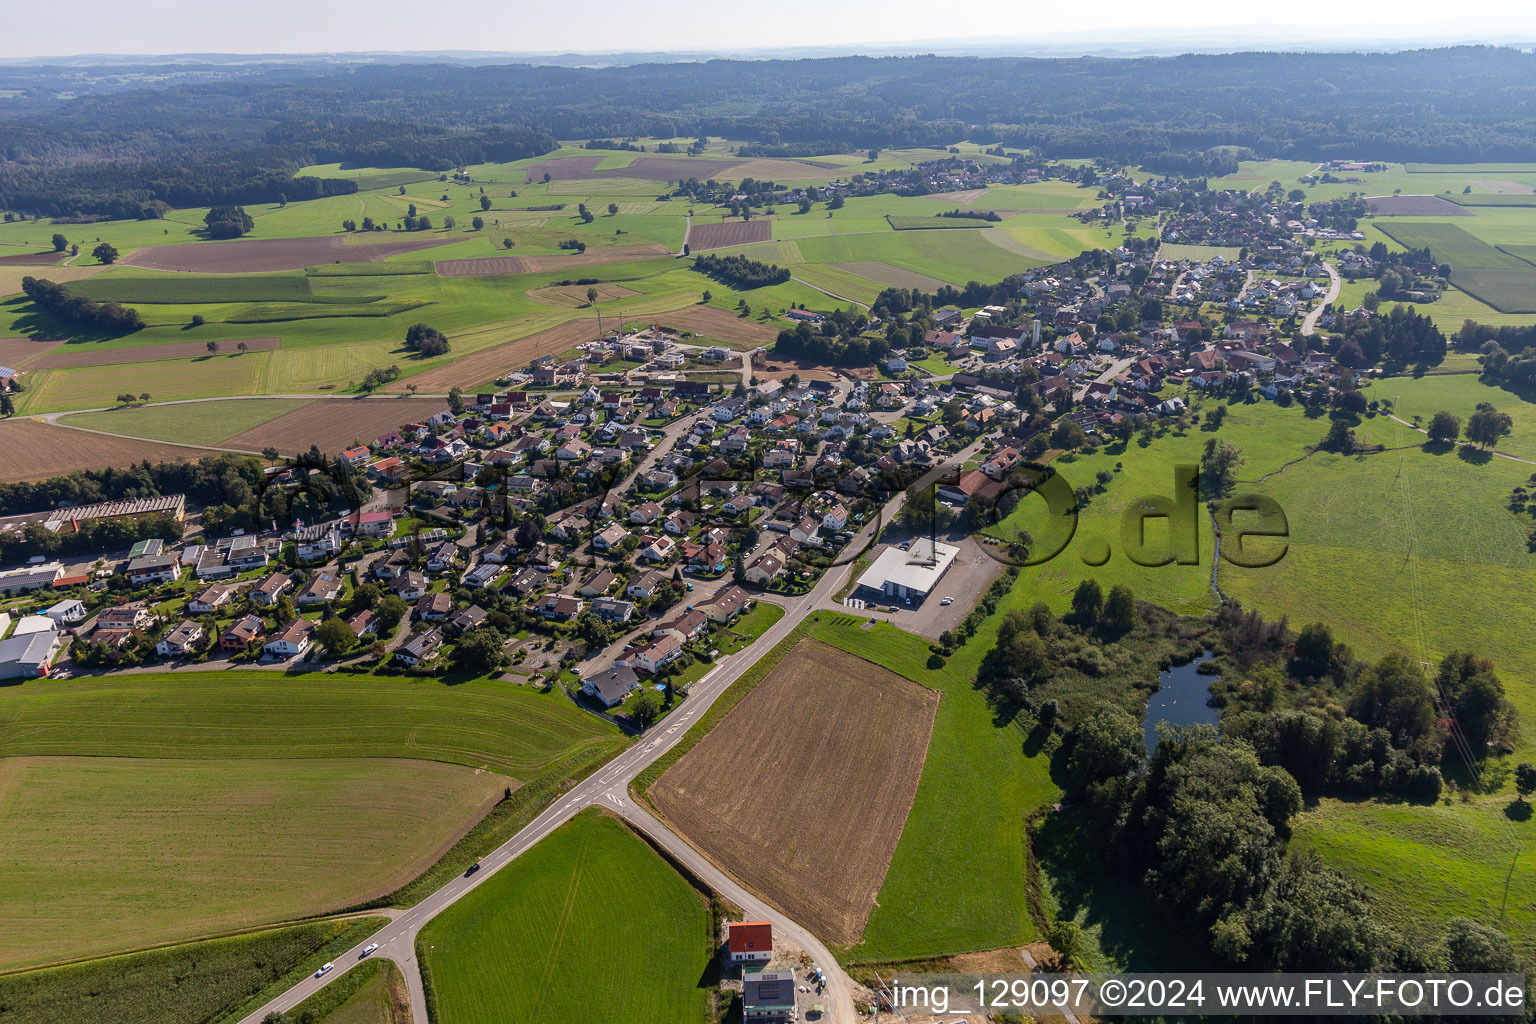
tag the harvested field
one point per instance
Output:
(574, 295)
(34, 450)
(33, 259)
(18, 352)
(85, 354)
(1504, 188)
(1414, 206)
(884, 273)
(803, 790)
(718, 236)
(249, 256)
(713, 322)
(564, 168)
(490, 363)
(660, 168)
(964, 197)
(494, 266)
(11, 275)
(333, 423)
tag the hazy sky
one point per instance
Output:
(62, 27)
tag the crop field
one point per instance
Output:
(497, 266)
(738, 332)
(98, 385)
(838, 282)
(192, 983)
(736, 232)
(1414, 206)
(1509, 291)
(1425, 864)
(32, 259)
(491, 725)
(118, 287)
(1451, 244)
(257, 255)
(189, 423)
(1200, 253)
(563, 168)
(489, 363)
(10, 276)
(1503, 199)
(86, 354)
(400, 268)
(956, 881)
(334, 423)
(884, 273)
(254, 840)
(34, 450)
(935, 223)
(575, 296)
(533, 943)
(803, 789)
(19, 353)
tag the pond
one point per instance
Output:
(1182, 698)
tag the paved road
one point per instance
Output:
(1335, 283)
(609, 788)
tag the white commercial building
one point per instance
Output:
(910, 574)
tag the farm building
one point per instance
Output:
(909, 574)
(173, 505)
(29, 656)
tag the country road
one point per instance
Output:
(609, 788)
(1335, 284)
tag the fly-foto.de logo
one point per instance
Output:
(1154, 530)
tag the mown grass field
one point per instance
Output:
(109, 854)
(195, 423)
(500, 727)
(1459, 393)
(193, 983)
(541, 940)
(1426, 864)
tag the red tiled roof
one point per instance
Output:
(751, 936)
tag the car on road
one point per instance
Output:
(368, 949)
(324, 970)
(472, 869)
(947, 601)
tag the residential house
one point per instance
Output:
(609, 538)
(483, 574)
(322, 588)
(410, 585)
(654, 656)
(293, 641)
(611, 685)
(181, 641)
(240, 633)
(68, 612)
(363, 623)
(470, 618)
(154, 569)
(659, 549)
(598, 584)
(689, 625)
(645, 584)
(559, 607)
(434, 607)
(750, 943)
(727, 604)
(768, 997)
(419, 648)
(270, 589)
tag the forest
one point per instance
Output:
(208, 136)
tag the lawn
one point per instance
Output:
(109, 854)
(497, 726)
(1200, 253)
(1459, 393)
(197, 423)
(193, 983)
(1427, 864)
(539, 940)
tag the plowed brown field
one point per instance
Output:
(334, 423)
(34, 450)
(713, 322)
(253, 255)
(731, 232)
(494, 266)
(490, 363)
(802, 791)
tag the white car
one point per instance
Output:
(368, 949)
(947, 601)
(324, 970)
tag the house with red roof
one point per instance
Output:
(750, 942)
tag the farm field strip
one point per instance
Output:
(190, 423)
(334, 423)
(84, 354)
(802, 790)
(728, 233)
(255, 255)
(520, 947)
(255, 841)
(34, 450)
(737, 332)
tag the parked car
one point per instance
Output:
(947, 601)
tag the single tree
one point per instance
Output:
(7, 405)
(242, 346)
(1487, 425)
(456, 400)
(592, 297)
(106, 252)
(644, 707)
(485, 202)
(1087, 602)
(449, 223)
(613, 208)
(1066, 941)
(482, 651)
(1443, 427)
(335, 636)
(213, 347)
(1525, 779)
(477, 222)
(1120, 610)
(144, 396)
(60, 243)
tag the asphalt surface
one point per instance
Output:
(609, 789)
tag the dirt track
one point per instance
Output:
(802, 791)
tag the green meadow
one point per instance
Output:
(196, 423)
(541, 940)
